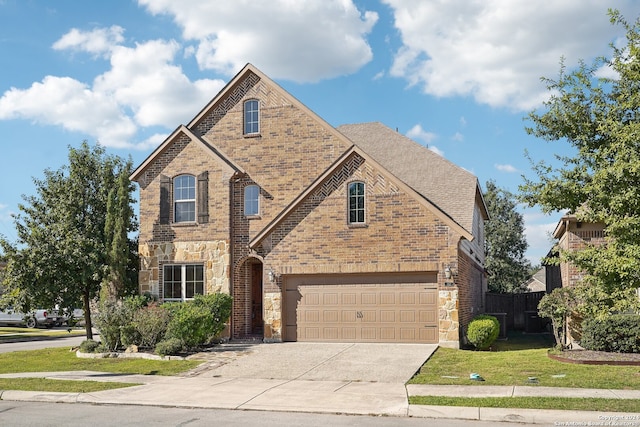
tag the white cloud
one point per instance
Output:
(497, 50)
(298, 41)
(463, 122)
(539, 232)
(505, 168)
(98, 41)
(143, 88)
(458, 137)
(417, 132)
(436, 150)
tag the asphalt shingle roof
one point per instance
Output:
(446, 185)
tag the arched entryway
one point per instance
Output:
(248, 297)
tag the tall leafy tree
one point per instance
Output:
(599, 117)
(70, 233)
(505, 242)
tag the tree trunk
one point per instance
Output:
(88, 327)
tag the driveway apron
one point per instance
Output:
(365, 362)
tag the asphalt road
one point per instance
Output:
(78, 414)
(63, 341)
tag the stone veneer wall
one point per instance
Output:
(214, 255)
(448, 318)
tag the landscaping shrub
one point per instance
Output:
(219, 305)
(88, 346)
(113, 320)
(197, 322)
(169, 347)
(558, 306)
(150, 323)
(483, 331)
(619, 333)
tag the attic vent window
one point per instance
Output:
(251, 117)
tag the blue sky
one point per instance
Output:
(457, 76)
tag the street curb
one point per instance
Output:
(34, 396)
(530, 416)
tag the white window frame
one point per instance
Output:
(183, 281)
(251, 117)
(251, 200)
(184, 200)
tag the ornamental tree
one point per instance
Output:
(505, 242)
(70, 234)
(599, 118)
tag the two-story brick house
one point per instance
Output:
(354, 233)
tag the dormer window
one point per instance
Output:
(184, 198)
(251, 200)
(356, 203)
(251, 117)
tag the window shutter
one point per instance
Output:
(203, 197)
(165, 199)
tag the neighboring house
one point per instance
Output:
(572, 235)
(354, 233)
(537, 282)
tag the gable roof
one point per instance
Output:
(208, 147)
(448, 186)
(320, 180)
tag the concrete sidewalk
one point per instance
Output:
(336, 378)
(327, 396)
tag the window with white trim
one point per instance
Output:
(184, 198)
(182, 281)
(251, 200)
(251, 117)
(356, 203)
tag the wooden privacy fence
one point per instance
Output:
(521, 309)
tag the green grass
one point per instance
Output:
(562, 403)
(43, 384)
(8, 334)
(513, 361)
(61, 359)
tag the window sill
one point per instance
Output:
(185, 224)
(358, 225)
(253, 216)
(252, 135)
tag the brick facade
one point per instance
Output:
(293, 149)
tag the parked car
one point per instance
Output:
(74, 317)
(39, 317)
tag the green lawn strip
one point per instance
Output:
(11, 334)
(451, 366)
(61, 359)
(562, 403)
(62, 386)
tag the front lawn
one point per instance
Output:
(61, 386)
(561, 403)
(61, 359)
(516, 360)
(9, 333)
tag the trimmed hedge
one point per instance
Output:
(483, 331)
(618, 333)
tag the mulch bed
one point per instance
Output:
(590, 357)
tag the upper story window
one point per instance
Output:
(356, 203)
(251, 200)
(251, 117)
(184, 198)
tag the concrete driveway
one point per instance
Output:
(362, 362)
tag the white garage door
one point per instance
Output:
(362, 308)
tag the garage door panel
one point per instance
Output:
(354, 308)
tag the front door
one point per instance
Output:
(257, 321)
